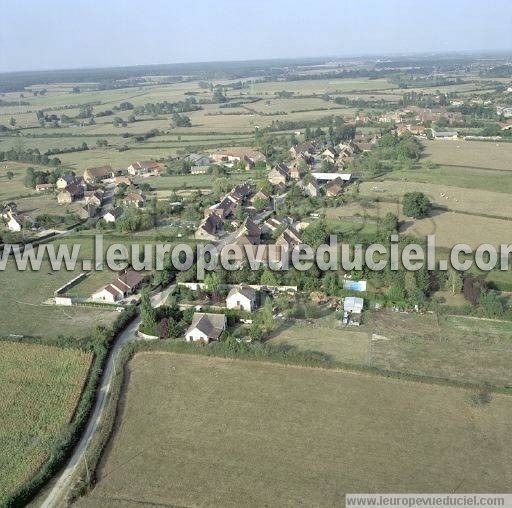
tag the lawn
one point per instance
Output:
(217, 432)
(39, 390)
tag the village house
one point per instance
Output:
(198, 160)
(311, 189)
(134, 199)
(242, 297)
(71, 193)
(112, 215)
(145, 167)
(250, 230)
(126, 284)
(225, 208)
(123, 180)
(96, 175)
(14, 222)
(65, 180)
(289, 238)
(209, 229)
(305, 149)
(329, 154)
(334, 187)
(277, 176)
(206, 327)
(262, 197)
(87, 211)
(93, 197)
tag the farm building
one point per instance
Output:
(448, 135)
(43, 187)
(96, 175)
(145, 167)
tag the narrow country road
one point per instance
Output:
(57, 495)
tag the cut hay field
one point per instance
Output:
(453, 347)
(469, 178)
(40, 387)
(451, 228)
(217, 432)
(341, 344)
(479, 202)
(475, 154)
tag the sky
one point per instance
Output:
(61, 34)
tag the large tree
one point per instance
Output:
(416, 204)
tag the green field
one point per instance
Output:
(241, 433)
(24, 294)
(40, 387)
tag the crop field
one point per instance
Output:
(209, 122)
(475, 154)
(304, 87)
(304, 436)
(40, 387)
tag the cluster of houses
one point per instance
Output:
(227, 157)
(207, 326)
(307, 162)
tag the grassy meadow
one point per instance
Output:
(40, 387)
(281, 436)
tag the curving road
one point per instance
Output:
(57, 495)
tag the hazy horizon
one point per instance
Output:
(63, 35)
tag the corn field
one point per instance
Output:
(40, 387)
